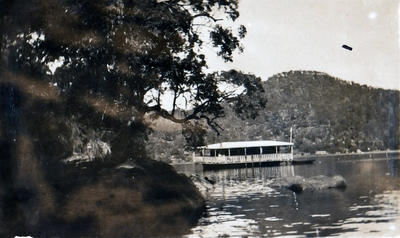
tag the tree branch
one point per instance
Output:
(205, 14)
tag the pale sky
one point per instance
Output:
(288, 35)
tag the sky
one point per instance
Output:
(286, 35)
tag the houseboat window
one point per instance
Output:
(285, 149)
(212, 153)
(223, 152)
(237, 151)
(206, 152)
(269, 150)
(253, 151)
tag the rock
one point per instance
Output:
(110, 188)
(298, 184)
(323, 182)
(204, 185)
(145, 199)
(211, 181)
(148, 199)
(296, 187)
(339, 182)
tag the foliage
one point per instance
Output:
(194, 135)
(131, 53)
(253, 100)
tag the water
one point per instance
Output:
(244, 202)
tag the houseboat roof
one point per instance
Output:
(246, 144)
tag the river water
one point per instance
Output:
(245, 202)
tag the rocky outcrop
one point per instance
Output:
(67, 170)
(138, 198)
(298, 183)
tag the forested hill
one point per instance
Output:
(326, 113)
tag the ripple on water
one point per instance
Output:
(320, 215)
(249, 210)
(240, 207)
(273, 219)
(232, 226)
(355, 208)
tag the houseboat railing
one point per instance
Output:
(223, 159)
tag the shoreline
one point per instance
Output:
(371, 154)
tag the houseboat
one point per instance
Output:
(244, 153)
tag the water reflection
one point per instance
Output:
(244, 202)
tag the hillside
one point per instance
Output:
(326, 113)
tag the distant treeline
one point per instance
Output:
(326, 113)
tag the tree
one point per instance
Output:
(130, 53)
(67, 64)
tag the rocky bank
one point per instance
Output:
(70, 169)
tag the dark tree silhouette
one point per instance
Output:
(78, 80)
(130, 53)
